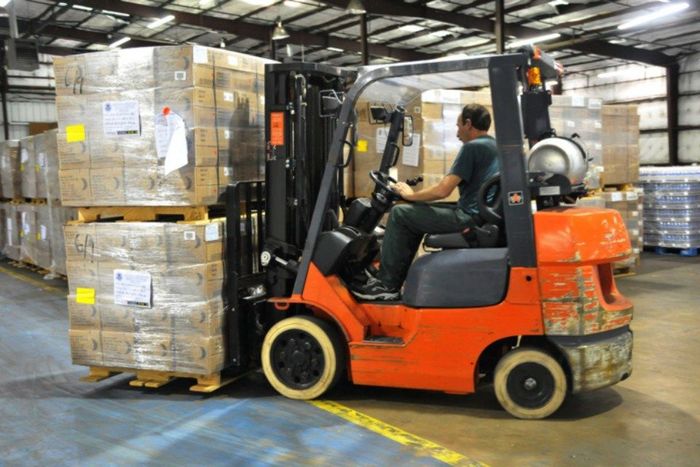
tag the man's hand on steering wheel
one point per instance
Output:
(403, 190)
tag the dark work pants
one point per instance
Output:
(404, 232)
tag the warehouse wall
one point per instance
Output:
(25, 105)
(646, 86)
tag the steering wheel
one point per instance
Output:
(382, 180)
(491, 212)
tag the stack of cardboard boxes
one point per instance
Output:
(158, 126)
(620, 137)
(32, 215)
(147, 296)
(164, 126)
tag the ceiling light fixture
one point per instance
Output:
(161, 21)
(222, 44)
(115, 13)
(81, 7)
(660, 13)
(356, 7)
(4, 3)
(279, 33)
(533, 40)
(292, 4)
(120, 42)
(622, 72)
(441, 33)
(411, 28)
(334, 49)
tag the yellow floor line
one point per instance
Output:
(396, 434)
(35, 282)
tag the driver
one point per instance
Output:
(476, 162)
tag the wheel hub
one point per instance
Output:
(530, 385)
(297, 359)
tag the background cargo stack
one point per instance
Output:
(119, 111)
(146, 281)
(33, 216)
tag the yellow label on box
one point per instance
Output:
(21, 167)
(75, 133)
(37, 168)
(362, 145)
(38, 236)
(85, 296)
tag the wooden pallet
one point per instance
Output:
(625, 271)
(155, 379)
(143, 213)
(662, 250)
(36, 269)
(618, 186)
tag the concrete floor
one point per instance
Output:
(48, 417)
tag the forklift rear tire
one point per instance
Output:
(303, 357)
(529, 383)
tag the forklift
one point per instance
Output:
(524, 299)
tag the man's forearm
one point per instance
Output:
(432, 193)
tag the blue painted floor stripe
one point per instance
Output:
(47, 416)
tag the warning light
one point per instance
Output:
(533, 76)
(166, 110)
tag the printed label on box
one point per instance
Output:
(570, 123)
(190, 235)
(228, 96)
(228, 171)
(132, 288)
(10, 230)
(212, 232)
(227, 134)
(632, 196)
(75, 133)
(616, 196)
(24, 156)
(120, 118)
(578, 101)
(26, 229)
(595, 104)
(43, 232)
(199, 55)
(410, 153)
(380, 140)
(180, 75)
(233, 60)
(597, 124)
(85, 296)
(171, 141)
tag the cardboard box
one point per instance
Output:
(12, 228)
(83, 316)
(116, 318)
(85, 347)
(199, 355)
(119, 349)
(75, 186)
(27, 169)
(199, 318)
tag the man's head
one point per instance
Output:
(474, 121)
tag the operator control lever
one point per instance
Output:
(414, 181)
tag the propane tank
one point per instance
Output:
(558, 155)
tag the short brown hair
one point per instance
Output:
(479, 116)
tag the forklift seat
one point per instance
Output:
(447, 241)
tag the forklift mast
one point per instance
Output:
(301, 106)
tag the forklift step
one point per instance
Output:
(384, 340)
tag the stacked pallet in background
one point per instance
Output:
(620, 138)
(33, 216)
(158, 126)
(672, 208)
(150, 138)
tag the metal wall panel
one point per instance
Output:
(653, 148)
(689, 146)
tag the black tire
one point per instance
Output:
(303, 357)
(529, 383)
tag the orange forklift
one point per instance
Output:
(525, 299)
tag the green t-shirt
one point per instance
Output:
(476, 162)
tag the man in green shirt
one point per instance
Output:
(476, 162)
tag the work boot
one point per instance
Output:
(374, 289)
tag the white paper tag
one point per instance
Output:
(634, 232)
(43, 232)
(200, 55)
(132, 288)
(632, 196)
(171, 141)
(180, 75)
(233, 60)
(634, 214)
(410, 153)
(228, 96)
(394, 173)
(450, 96)
(228, 171)
(595, 104)
(26, 229)
(616, 196)
(120, 118)
(41, 159)
(10, 232)
(597, 124)
(417, 109)
(578, 101)
(380, 139)
(598, 146)
(227, 134)
(570, 123)
(24, 156)
(212, 231)
(190, 235)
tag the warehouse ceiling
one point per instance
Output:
(326, 32)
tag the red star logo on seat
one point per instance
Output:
(515, 198)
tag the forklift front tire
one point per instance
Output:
(302, 357)
(529, 383)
